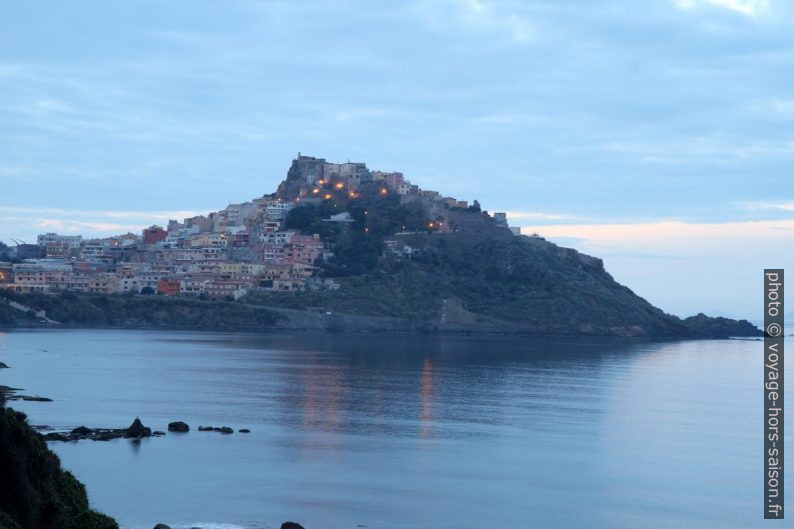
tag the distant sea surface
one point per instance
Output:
(398, 432)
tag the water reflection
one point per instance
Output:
(404, 431)
(426, 400)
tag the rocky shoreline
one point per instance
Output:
(9, 393)
(135, 431)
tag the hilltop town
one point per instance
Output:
(260, 245)
(336, 247)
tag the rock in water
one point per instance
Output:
(82, 430)
(178, 426)
(137, 430)
(161, 526)
(224, 429)
(36, 399)
(205, 428)
(291, 525)
(3, 366)
(244, 430)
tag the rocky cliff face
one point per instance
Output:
(303, 169)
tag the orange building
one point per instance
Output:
(154, 234)
(169, 287)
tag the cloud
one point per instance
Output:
(775, 206)
(71, 226)
(685, 267)
(775, 108)
(534, 215)
(701, 148)
(25, 223)
(476, 16)
(750, 8)
(672, 234)
(115, 214)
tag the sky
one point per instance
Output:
(655, 134)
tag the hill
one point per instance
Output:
(406, 258)
(414, 257)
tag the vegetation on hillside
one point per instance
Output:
(35, 492)
(357, 245)
(97, 310)
(496, 276)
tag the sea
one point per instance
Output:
(376, 431)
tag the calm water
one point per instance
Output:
(405, 432)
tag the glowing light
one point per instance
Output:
(327, 196)
(315, 190)
(384, 191)
(339, 185)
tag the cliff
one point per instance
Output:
(35, 492)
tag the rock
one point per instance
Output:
(36, 399)
(82, 430)
(221, 429)
(106, 436)
(3, 366)
(244, 430)
(158, 433)
(178, 426)
(161, 526)
(55, 436)
(137, 430)
(291, 525)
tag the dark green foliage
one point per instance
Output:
(721, 326)
(8, 314)
(35, 493)
(96, 310)
(357, 245)
(496, 276)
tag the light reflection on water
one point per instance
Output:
(405, 431)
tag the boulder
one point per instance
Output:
(36, 399)
(178, 426)
(158, 433)
(244, 430)
(161, 526)
(205, 428)
(137, 430)
(56, 436)
(82, 430)
(224, 429)
(3, 366)
(291, 525)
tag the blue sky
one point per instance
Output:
(655, 134)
